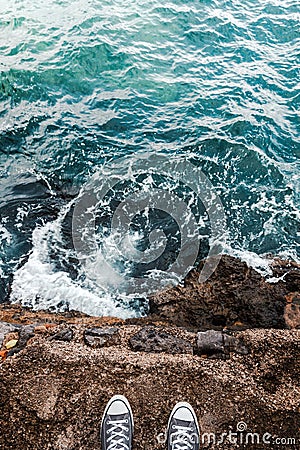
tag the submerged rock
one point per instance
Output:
(152, 340)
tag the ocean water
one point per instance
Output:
(159, 111)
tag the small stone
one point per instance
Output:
(101, 337)
(9, 337)
(10, 344)
(62, 335)
(210, 343)
(40, 329)
(149, 339)
(6, 328)
(217, 344)
(26, 332)
(3, 354)
(50, 325)
(232, 344)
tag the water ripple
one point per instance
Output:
(83, 82)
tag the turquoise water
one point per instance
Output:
(82, 83)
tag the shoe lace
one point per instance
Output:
(181, 439)
(118, 434)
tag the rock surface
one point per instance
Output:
(235, 296)
(63, 368)
(292, 310)
(53, 393)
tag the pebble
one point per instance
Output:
(62, 335)
(10, 344)
(6, 328)
(101, 337)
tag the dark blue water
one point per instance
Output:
(83, 83)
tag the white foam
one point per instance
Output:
(274, 280)
(5, 236)
(258, 262)
(261, 263)
(38, 284)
